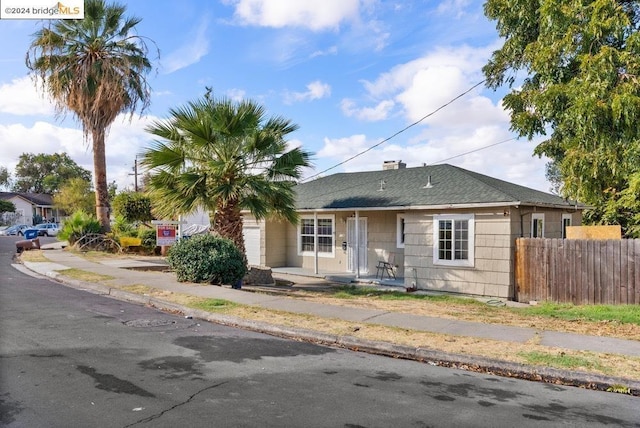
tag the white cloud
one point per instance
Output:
(124, 141)
(196, 46)
(21, 98)
(456, 8)
(422, 87)
(476, 151)
(236, 94)
(313, 15)
(470, 132)
(379, 112)
(315, 91)
(333, 50)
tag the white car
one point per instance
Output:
(47, 229)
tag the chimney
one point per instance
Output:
(390, 164)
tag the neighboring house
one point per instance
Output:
(31, 207)
(445, 228)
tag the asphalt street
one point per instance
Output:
(72, 358)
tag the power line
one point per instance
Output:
(476, 150)
(397, 133)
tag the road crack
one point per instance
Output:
(158, 415)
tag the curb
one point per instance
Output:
(429, 356)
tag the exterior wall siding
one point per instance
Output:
(492, 273)
(496, 230)
(274, 241)
(26, 208)
(382, 241)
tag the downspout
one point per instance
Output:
(357, 244)
(315, 242)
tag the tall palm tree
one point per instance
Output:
(95, 68)
(227, 157)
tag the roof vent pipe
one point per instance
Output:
(429, 185)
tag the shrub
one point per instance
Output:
(133, 206)
(123, 227)
(148, 237)
(77, 225)
(207, 258)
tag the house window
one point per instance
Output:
(309, 230)
(400, 231)
(454, 239)
(537, 225)
(566, 222)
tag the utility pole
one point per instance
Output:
(135, 174)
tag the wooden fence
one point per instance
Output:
(578, 271)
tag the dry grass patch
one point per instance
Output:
(35, 256)
(83, 275)
(476, 311)
(531, 353)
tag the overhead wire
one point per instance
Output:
(397, 133)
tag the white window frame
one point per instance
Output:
(537, 222)
(564, 227)
(400, 230)
(332, 253)
(453, 218)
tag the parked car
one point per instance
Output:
(46, 229)
(16, 229)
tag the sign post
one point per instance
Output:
(166, 233)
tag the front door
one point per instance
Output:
(354, 251)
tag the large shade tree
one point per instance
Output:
(227, 157)
(95, 68)
(574, 73)
(46, 173)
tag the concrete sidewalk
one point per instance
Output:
(122, 272)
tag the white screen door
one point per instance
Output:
(351, 244)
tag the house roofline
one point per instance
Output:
(516, 204)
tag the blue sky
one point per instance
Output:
(350, 73)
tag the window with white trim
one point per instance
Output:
(566, 222)
(400, 231)
(453, 239)
(537, 225)
(308, 231)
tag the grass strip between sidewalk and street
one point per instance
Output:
(83, 275)
(530, 353)
(621, 321)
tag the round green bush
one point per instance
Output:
(207, 258)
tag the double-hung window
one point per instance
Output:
(566, 222)
(453, 239)
(310, 232)
(537, 225)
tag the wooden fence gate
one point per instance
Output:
(578, 271)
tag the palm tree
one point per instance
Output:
(227, 157)
(96, 68)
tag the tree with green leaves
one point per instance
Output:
(96, 69)
(44, 173)
(133, 207)
(227, 157)
(574, 73)
(5, 177)
(76, 194)
(7, 206)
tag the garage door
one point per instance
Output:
(252, 244)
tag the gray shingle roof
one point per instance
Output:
(405, 188)
(35, 198)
